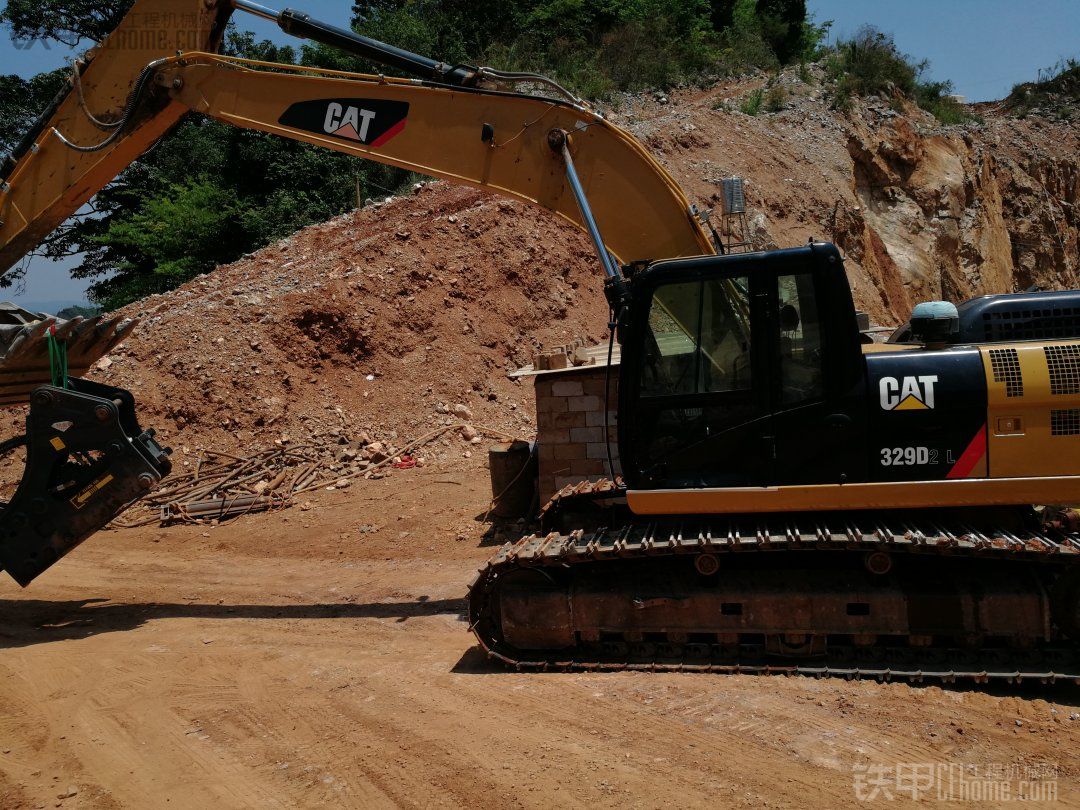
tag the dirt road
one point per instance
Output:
(319, 658)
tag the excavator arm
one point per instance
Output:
(87, 457)
(486, 138)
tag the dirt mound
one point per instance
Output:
(380, 321)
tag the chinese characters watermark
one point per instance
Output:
(154, 31)
(951, 781)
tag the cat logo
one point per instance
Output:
(907, 394)
(347, 122)
(371, 122)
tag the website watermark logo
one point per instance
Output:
(155, 31)
(26, 43)
(959, 782)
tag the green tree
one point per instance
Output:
(66, 21)
(207, 193)
(22, 102)
(178, 234)
(783, 26)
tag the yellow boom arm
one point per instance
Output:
(488, 139)
(158, 65)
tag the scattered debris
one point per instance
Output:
(224, 486)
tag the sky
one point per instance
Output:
(983, 46)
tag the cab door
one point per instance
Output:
(695, 407)
(816, 397)
(742, 370)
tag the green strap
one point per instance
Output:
(58, 363)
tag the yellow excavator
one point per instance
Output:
(793, 500)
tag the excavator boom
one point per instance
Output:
(87, 458)
(486, 138)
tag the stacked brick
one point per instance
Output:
(570, 427)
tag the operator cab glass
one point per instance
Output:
(798, 324)
(741, 370)
(696, 378)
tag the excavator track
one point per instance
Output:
(751, 595)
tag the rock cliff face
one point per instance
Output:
(921, 211)
(952, 215)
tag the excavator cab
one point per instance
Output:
(742, 370)
(797, 504)
(87, 457)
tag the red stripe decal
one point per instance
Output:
(970, 457)
(390, 133)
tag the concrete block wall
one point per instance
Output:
(570, 427)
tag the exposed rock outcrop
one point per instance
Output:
(922, 211)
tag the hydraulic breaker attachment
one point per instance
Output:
(87, 459)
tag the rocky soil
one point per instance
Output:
(322, 658)
(377, 326)
(319, 656)
(390, 320)
(384, 319)
(921, 211)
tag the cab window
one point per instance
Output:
(696, 381)
(800, 340)
(698, 339)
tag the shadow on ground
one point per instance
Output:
(474, 661)
(499, 532)
(33, 621)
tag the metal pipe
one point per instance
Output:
(304, 26)
(586, 212)
(256, 9)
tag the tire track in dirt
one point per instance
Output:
(341, 653)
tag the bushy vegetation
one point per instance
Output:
(209, 193)
(936, 98)
(775, 97)
(68, 22)
(21, 101)
(751, 105)
(870, 64)
(1055, 92)
(595, 48)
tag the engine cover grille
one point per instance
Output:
(1005, 363)
(1063, 363)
